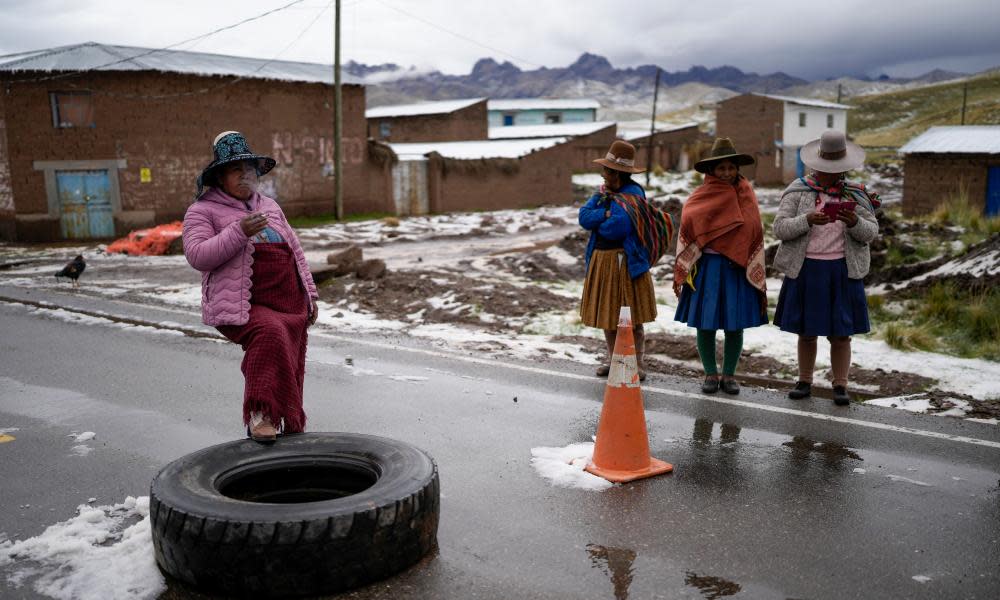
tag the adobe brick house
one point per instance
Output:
(445, 121)
(773, 128)
(439, 177)
(98, 153)
(675, 147)
(946, 161)
(586, 140)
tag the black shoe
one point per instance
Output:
(730, 386)
(803, 389)
(840, 397)
(711, 385)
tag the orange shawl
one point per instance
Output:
(727, 218)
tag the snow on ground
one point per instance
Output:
(103, 553)
(563, 467)
(154, 279)
(420, 228)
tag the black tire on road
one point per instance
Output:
(297, 517)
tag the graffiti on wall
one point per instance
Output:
(289, 148)
(6, 193)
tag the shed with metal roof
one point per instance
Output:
(947, 162)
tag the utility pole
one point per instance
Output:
(840, 92)
(338, 119)
(652, 129)
(965, 96)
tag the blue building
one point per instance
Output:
(541, 111)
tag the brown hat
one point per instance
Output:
(620, 157)
(722, 149)
(832, 153)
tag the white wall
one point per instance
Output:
(796, 135)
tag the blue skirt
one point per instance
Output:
(722, 298)
(822, 300)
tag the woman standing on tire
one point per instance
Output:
(627, 236)
(719, 271)
(824, 255)
(256, 288)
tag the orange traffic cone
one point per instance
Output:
(621, 452)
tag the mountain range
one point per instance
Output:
(623, 92)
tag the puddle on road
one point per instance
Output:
(616, 563)
(711, 587)
(802, 447)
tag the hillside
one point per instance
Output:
(890, 119)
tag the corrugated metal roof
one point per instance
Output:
(92, 56)
(558, 129)
(633, 130)
(959, 139)
(542, 104)
(478, 148)
(420, 108)
(806, 101)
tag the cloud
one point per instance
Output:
(810, 40)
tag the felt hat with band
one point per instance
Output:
(722, 149)
(832, 153)
(229, 147)
(620, 157)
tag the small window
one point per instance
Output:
(72, 109)
(829, 121)
(384, 130)
(553, 118)
(508, 120)
(802, 119)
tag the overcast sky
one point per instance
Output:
(809, 39)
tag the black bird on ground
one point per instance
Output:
(73, 269)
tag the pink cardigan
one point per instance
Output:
(215, 244)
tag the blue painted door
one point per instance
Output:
(993, 192)
(85, 204)
(800, 167)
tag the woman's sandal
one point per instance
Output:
(261, 430)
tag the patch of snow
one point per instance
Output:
(96, 555)
(81, 450)
(478, 149)
(913, 403)
(83, 437)
(859, 471)
(908, 480)
(408, 378)
(985, 421)
(563, 467)
(921, 578)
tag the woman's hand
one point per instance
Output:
(848, 217)
(817, 218)
(253, 223)
(313, 312)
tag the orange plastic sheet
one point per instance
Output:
(147, 242)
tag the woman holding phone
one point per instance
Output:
(825, 224)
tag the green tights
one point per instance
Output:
(730, 354)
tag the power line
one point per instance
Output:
(227, 83)
(155, 50)
(459, 35)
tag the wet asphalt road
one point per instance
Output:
(762, 503)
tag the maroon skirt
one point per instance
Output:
(274, 339)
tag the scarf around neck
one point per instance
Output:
(850, 190)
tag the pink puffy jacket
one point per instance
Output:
(215, 244)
